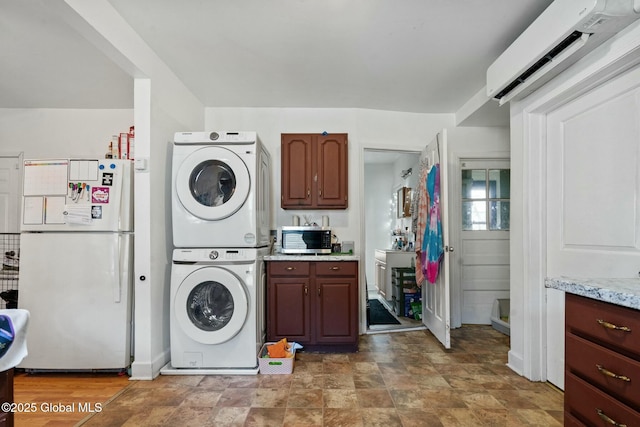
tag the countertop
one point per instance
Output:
(328, 257)
(623, 292)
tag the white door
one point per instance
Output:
(483, 253)
(9, 194)
(436, 309)
(593, 196)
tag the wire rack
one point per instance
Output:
(10, 252)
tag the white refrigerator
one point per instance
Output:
(76, 263)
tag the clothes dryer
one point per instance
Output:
(217, 309)
(220, 190)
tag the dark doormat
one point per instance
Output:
(379, 315)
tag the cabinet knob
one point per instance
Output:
(308, 193)
(306, 290)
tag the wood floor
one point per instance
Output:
(50, 400)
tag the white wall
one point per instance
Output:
(366, 128)
(48, 133)
(379, 213)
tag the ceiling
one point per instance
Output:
(421, 56)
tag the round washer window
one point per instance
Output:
(210, 306)
(212, 183)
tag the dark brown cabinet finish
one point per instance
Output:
(6, 392)
(313, 303)
(314, 171)
(602, 363)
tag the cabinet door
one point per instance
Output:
(288, 309)
(296, 171)
(336, 310)
(331, 174)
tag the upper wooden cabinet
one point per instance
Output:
(314, 171)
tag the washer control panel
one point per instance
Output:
(214, 256)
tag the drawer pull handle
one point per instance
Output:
(608, 373)
(290, 268)
(335, 267)
(608, 325)
(608, 420)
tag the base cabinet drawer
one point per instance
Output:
(591, 406)
(608, 324)
(613, 373)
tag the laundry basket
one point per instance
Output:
(275, 365)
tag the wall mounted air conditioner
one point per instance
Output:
(566, 31)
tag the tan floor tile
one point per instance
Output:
(270, 398)
(341, 417)
(265, 417)
(419, 417)
(381, 417)
(202, 398)
(298, 417)
(374, 398)
(368, 381)
(338, 381)
(308, 381)
(150, 416)
(230, 417)
(237, 397)
(305, 398)
(339, 398)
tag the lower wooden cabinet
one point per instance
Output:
(314, 303)
(6, 392)
(602, 363)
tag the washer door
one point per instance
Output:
(212, 183)
(211, 305)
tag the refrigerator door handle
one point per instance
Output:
(121, 255)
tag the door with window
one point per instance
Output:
(483, 253)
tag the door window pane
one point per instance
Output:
(499, 215)
(474, 184)
(499, 183)
(474, 215)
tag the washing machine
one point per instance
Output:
(221, 192)
(217, 309)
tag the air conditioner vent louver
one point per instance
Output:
(565, 32)
(557, 50)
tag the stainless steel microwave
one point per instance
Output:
(306, 240)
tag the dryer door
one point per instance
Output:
(211, 305)
(212, 183)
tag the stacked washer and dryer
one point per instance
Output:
(220, 217)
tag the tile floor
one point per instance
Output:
(396, 379)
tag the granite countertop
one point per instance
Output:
(328, 257)
(624, 292)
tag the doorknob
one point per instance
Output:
(448, 248)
